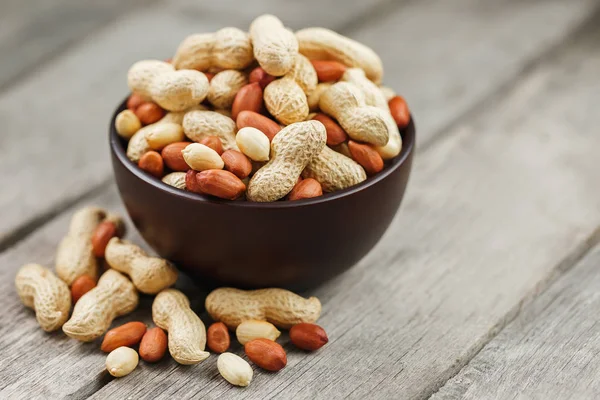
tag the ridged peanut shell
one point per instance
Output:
(179, 90)
(75, 256)
(334, 171)
(280, 307)
(175, 179)
(187, 335)
(286, 101)
(142, 73)
(304, 74)
(50, 298)
(224, 86)
(113, 297)
(291, 150)
(200, 124)
(149, 274)
(346, 103)
(325, 44)
(275, 47)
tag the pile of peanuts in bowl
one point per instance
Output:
(263, 116)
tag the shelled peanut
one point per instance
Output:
(236, 91)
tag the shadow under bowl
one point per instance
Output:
(290, 244)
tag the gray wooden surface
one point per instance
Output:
(501, 204)
(549, 352)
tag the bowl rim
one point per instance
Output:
(117, 148)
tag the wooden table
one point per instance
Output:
(484, 287)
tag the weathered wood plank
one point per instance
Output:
(550, 351)
(491, 210)
(447, 56)
(32, 32)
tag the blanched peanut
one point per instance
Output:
(253, 143)
(200, 157)
(127, 124)
(160, 135)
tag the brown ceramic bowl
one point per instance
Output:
(291, 244)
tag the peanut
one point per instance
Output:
(275, 47)
(138, 145)
(259, 75)
(175, 179)
(75, 256)
(217, 337)
(224, 86)
(222, 184)
(127, 124)
(103, 233)
(304, 74)
(152, 163)
(200, 157)
(237, 163)
(334, 171)
(315, 96)
(121, 361)
(346, 103)
(149, 274)
(399, 110)
(153, 345)
(253, 143)
(134, 101)
(179, 90)
(335, 133)
(306, 189)
(187, 336)
(266, 354)
(291, 151)
(128, 334)
(248, 98)
(374, 97)
(286, 101)
(308, 337)
(214, 143)
(191, 184)
(325, 44)
(228, 48)
(149, 113)
(234, 369)
(81, 286)
(280, 307)
(173, 158)
(158, 136)
(39, 289)
(199, 124)
(114, 296)
(172, 90)
(256, 329)
(258, 121)
(328, 71)
(142, 73)
(366, 156)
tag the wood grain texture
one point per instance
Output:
(492, 209)
(33, 31)
(447, 56)
(550, 351)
